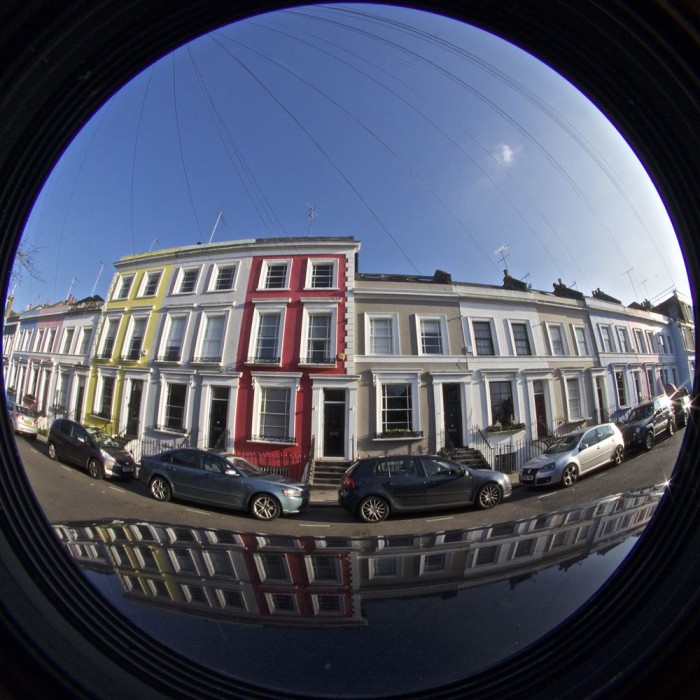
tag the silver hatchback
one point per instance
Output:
(572, 455)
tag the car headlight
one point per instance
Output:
(548, 467)
(291, 493)
(107, 457)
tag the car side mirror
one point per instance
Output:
(231, 472)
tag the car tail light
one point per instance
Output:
(349, 483)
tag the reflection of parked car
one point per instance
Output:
(89, 448)
(619, 416)
(574, 454)
(681, 409)
(648, 421)
(374, 487)
(199, 475)
(23, 419)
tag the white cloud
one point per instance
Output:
(504, 154)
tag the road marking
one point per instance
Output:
(68, 469)
(201, 512)
(312, 525)
(547, 495)
(435, 520)
(116, 488)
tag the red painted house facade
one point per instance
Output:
(295, 397)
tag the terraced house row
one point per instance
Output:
(281, 350)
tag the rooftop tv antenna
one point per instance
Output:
(503, 252)
(94, 286)
(629, 273)
(312, 216)
(153, 242)
(218, 218)
(70, 287)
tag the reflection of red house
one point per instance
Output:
(293, 340)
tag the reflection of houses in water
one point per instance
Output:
(273, 579)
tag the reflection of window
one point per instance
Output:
(574, 399)
(521, 339)
(325, 568)
(483, 339)
(501, 396)
(383, 566)
(188, 280)
(174, 338)
(274, 567)
(150, 282)
(431, 342)
(381, 335)
(621, 388)
(105, 395)
(176, 395)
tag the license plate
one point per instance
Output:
(127, 469)
(527, 478)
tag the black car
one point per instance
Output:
(93, 449)
(647, 422)
(681, 408)
(373, 488)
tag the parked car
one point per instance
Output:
(24, 420)
(681, 408)
(647, 422)
(198, 475)
(93, 449)
(574, 454)
(619, 416)
(376, 487)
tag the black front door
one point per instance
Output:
(133, 409)
(334, 422)
(217, 417)
(453, 414)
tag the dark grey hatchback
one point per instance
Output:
(373, 488)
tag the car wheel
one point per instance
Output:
(649, 440)
(569, 476)
(618, 455)
(160, 489)
(265, 507)
(670, 428)
(373, 509)
(52, 451)
(94, 468)
(489, 496)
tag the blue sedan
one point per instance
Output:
(230, 482)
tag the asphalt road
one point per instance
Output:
(68, 494)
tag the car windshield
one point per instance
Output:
(101, 438)
(563, 444)
(639, 413)
(244, 466)
(26, 411)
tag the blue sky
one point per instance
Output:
(433, 143)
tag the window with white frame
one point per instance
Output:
(521, 338)
(223, 278)
(109, 336)
(621, 388)
(661, 342)
(124, 287)
(582, 341)
(187, 280)
(639, 340)
(432, 334)
(274, 274)
(274, 407)
(174, 338)
(39, 339)
(318, 335)
(104, 396)
(266, 341)
(501, 402)
(397, 404)
(50, 337)
(483, 338)
(573, 398)
(134, 338)
(321, 274)
(174, 407)
(67, 340)
(606, 338)
(149, 284)
(381, 334)
(212, 338)
(650, 342)
(557, 345)
(61, 401)
(623, 340)
(651, 381)
(85, 336)
(637, 379)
